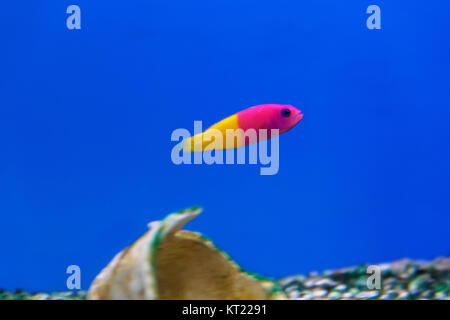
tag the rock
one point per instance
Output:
(341, 287)
(389, 295)
(334, 295)
(169, 263)
(319, 293)
(326, 283)
(364, 295)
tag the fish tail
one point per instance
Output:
(195, 143)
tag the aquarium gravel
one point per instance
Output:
(400, 280)
(403, 279)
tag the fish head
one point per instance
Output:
(284, 117)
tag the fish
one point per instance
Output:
(244, 127)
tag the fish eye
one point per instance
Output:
(286, 112)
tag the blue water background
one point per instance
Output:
(86, 117)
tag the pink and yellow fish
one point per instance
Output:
(264, 116)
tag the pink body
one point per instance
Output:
(269, 116)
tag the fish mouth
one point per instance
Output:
(298, 117)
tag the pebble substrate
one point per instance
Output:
(403, 279)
